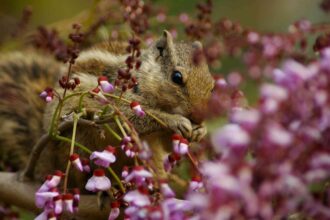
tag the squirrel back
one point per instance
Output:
(22, 76)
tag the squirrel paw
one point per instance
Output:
(198, 132)
(181, 125)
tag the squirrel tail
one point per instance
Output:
(22, 77)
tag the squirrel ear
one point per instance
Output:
(197, 45)
(165, 43)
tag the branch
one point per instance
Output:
(28, 172)
(21, 194)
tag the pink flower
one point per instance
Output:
(176, 138)
(42, 198)
(99, 95)
(46, 215)
(68, 202)
(56, 179)
(58, 204)
(76, 199)
(115, 211)
(104, 158)
(166, 190)
(171, 160)
(248, 119)
(182, 147)
(137, 198)
(85, 163)
(75, 160)
(105, 85)
(44, 187)
(184, 18)
(138, 175)
(47, 94)
(195, 183)
(136, 107)
(124, 173)
(229, 138)
(98, 182)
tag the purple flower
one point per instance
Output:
(58, 204)
(105, 85)
(104, 158)
(279, 136)
(75, 160)
(47, 94)
(166, 190)
(138, 175)
(85, 163)
(180, 144)
(195, 184)
(136, 107)
(55, 179)
(98, 182)
(68, 202)
(248, 119)
(138, 198)
(230, 137)
(43, 198)
(115, 211)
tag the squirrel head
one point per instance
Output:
(169, 74)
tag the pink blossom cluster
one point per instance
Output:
(273, 159)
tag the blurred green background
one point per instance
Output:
(262, 15)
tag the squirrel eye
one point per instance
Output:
(177, 77)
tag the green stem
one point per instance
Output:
(120, 126)
(147, 112)
(81, 100)
(58, 112)
(73, 140)
(122, 188)
(68, 140)
(108, 128)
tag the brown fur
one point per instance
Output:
(173, 104)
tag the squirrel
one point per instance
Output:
(170, 86)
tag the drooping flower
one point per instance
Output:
(76, 199)
(136, 107)
(43, 198)
(182, 147)
(176, 138)
(75, 160)
(230, 138)
(137, 198)
(170, 161)
(68, 202)
(105, 85)
(195, 183)
(124, 172)
(138, 175)
(115, 211)
(104, 158)
(56, 179)
(58, 204)
(47, 94)
(86, 166)
(99, 95)
(98, 182)
(166, 190)
(44, 187)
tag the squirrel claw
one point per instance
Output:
(181, 125)
(198, 132)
